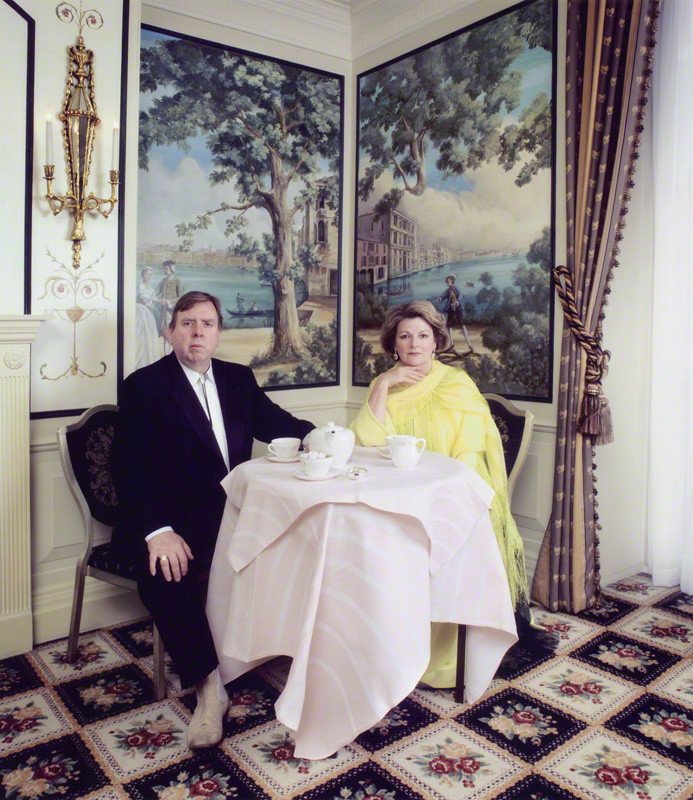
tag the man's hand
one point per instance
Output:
(172, 552)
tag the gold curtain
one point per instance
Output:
(609, 51)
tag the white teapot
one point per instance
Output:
(333, 440)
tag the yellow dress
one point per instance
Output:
(450, 413)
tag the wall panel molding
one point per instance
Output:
(380, 22)
(333, 27)
(316, 25)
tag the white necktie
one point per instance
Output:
(203, 381)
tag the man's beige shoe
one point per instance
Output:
(207, 724)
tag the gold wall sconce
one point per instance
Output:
(79, 121)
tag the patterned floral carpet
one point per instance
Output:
(610, 716)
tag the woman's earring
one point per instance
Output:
(435, 355)
(395, 356)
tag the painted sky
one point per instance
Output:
(482, 210)
(176, 175)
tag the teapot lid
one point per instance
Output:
(330, 427)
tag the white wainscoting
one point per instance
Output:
(58, 538)
(531, 504)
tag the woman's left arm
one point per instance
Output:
(370, 431)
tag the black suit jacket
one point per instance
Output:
(168, 465)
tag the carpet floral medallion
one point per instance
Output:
(519, 723)
(659, 724)
(622, 656)
(609, 717)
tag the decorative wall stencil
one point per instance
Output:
(455, 198)
(240, 196)
(81, 285)
(79, 122)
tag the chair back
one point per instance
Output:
(515, 428)
(85, 453)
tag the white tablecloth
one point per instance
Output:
(345, 577)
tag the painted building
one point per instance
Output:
(385, 247)
(319, 228)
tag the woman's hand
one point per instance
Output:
(397, 375)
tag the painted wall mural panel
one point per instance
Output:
(455, 198)
(240, 196)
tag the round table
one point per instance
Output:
(345, 576)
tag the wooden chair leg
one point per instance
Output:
(461, 658)
(159, 665)
(76, 616)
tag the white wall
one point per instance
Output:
(56, 527)
(622, 466)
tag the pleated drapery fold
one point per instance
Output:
(609, 52)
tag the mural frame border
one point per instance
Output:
(549, 396)
(339, 214)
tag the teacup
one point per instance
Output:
(405, 450)
(316, 465)
(285, 447)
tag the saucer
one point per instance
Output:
(280, 460)
(384, 452)
(299, 473)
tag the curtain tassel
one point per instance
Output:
(595, 415)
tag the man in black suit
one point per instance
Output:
(184, 422)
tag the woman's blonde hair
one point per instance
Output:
(418, 309)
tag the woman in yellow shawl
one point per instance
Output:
(424, 398)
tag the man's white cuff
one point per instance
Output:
(157, 532)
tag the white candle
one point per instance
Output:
(49, 139)
(114, 150)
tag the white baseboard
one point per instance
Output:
(531, 558)
(15, 634)
(104, 604)
(623, 572)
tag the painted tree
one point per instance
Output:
(453, 97)
(270, 129)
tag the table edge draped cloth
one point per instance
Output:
(345, 577)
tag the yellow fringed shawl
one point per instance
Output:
(448, 410)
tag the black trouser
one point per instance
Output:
(178, 611)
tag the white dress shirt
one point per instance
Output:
(217, 418)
